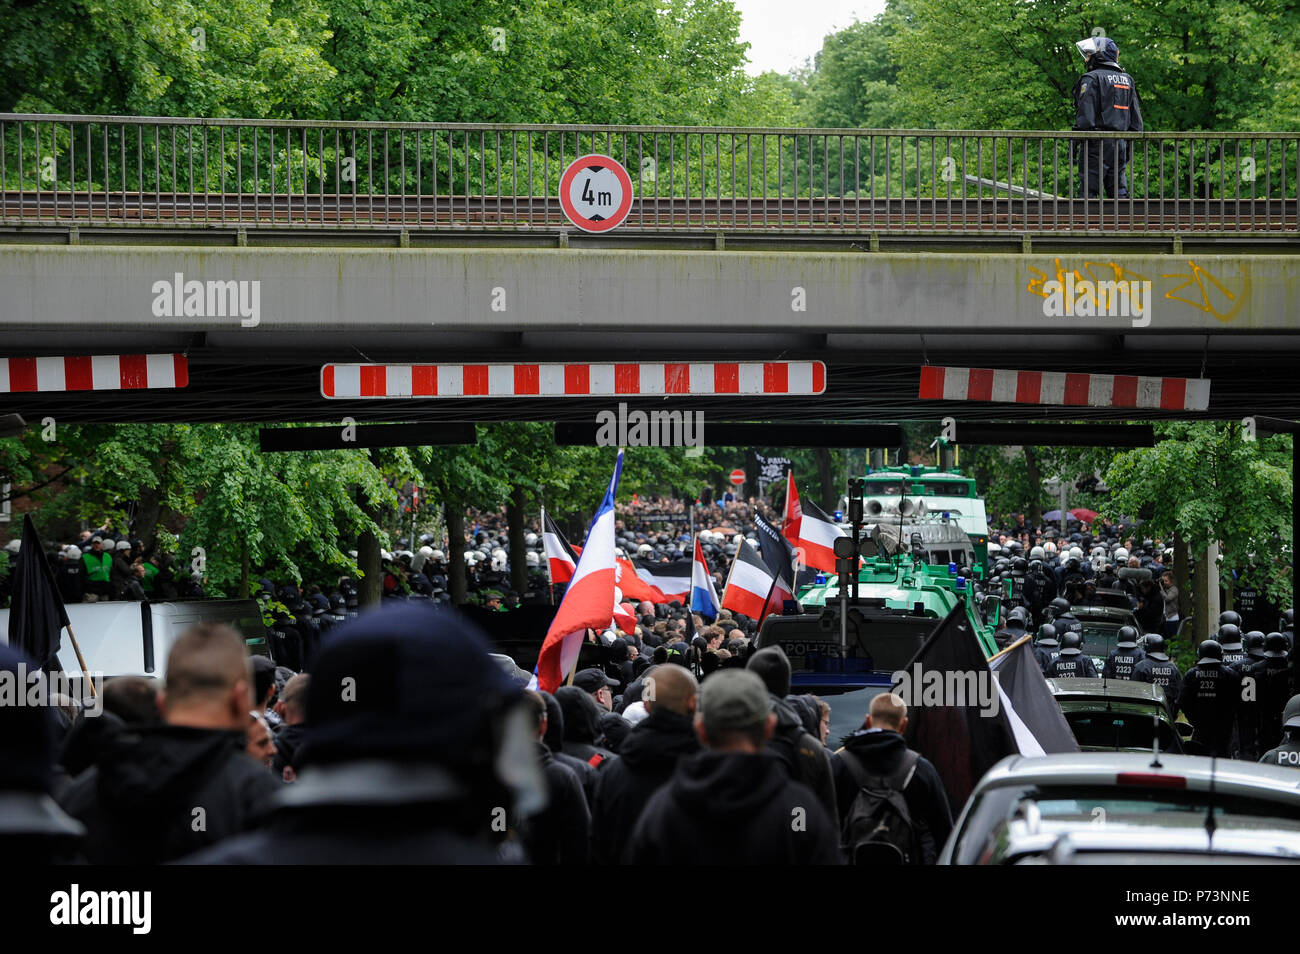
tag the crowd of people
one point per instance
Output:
(394, 735)
(1236, 693)
(406, 742)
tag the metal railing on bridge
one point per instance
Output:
(160, 172)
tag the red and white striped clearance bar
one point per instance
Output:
(1064, 388)
(350, 381)
(104, 372)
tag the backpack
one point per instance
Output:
(878, 829)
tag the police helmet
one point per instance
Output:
(1036, 553)
(1211, 651)
(1121, 554)
(1288, 617)
(530, 539)
(1058, 606)
(1126, 637)
(1254, 643)
(1049, 548)
(1228, 616)
(1047, 635)
(1071, 644)
(531, 558)
(1018, 616)
(1229, 634)
(1291, 714)
(1020, 565)
(1275, 646)
(438, 556)
(1155, 647)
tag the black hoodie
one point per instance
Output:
(646, 761)
(161, 792)
(582, 726)
(881, 751)
(733, 809)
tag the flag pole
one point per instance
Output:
(82, 660)
(1015, 645)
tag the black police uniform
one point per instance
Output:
(1272, 677)
(1158, 670)
(1122, 661)
(1210, 696)
(1077, 665)
(1045, 652)
(1105, 99)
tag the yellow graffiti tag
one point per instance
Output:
(1198, 279)
(1094, 272)
(1198, 276)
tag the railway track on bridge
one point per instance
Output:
(835, 215)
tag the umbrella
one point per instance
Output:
(1084, 514)
(1052, 516)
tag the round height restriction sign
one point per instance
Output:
(596, 193)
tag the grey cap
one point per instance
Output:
(123, 545)
(732, 699)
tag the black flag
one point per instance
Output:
(1023, 682)
(36, 614)
(963, 738)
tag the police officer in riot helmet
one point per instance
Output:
(1057, 607)
(1229, 637)
(1267, 665)
(1287, 752)
(1124, 657)
(1229, 616)
(1047, 647)
(1210, 697)
(1015, 626)
(1105, 99)
(1155, 667)
(1073, 662)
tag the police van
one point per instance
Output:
(120, 638)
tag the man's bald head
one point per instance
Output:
(888, 711)
(208, 681)
(673, 688)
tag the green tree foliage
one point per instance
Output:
(1209, 483)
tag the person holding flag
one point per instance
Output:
(589, 600)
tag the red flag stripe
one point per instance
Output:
(1064, 389)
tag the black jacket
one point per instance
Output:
(1163, 673)
(1210, 696)
(582, 726)
(805, 757)
(558, 835)
(1079, 665)
(288, 740)
(881, 751)
(1122, 661)
(141, 804)
(649, 755)
(733, 809)
(1106, 98)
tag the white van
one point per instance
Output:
(119, 638)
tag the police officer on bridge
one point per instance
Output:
(1105, 99)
